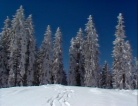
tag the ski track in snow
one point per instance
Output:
(61, 97)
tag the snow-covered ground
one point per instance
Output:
(58, 95)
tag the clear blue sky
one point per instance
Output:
(70, 15)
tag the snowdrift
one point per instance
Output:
(58, 95)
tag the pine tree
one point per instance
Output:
(128, 65)
(76, 60)
(46, 58)
(135, 74)
(122, 66)
(30, 53)
(18, 48)
(3, 75)
(57, 67)
(106, 79)
(91, 55)
(38, 67)
(72, 77)
(5, 43)
(6, 40)
(100, 77)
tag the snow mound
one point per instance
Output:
(58, 95)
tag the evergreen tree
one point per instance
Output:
(100, 77)
(30, 53)
(3, 75)
(91, 55)
(72, 77)
(76, 60)
(57, 67)
(135, 74)
(122, 66)
(46, 58)
(5, 43)
(18, 48)
(106, 79)
(38, 66)
(128, 65)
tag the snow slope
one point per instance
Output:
(58, 95)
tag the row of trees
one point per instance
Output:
(22, 64)
(84, 60)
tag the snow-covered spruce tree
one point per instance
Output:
(18, 48)
(122, 58)
(135, 74)
(46, 58)
(30, 53)
(57, 66)
(72, 78)
(106, 78)
(76, 74)
(128, 65)
(5, 43)
(38, 67)
(3, 75)
(91, 55)
(100, 77)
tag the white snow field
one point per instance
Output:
(58, 95)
